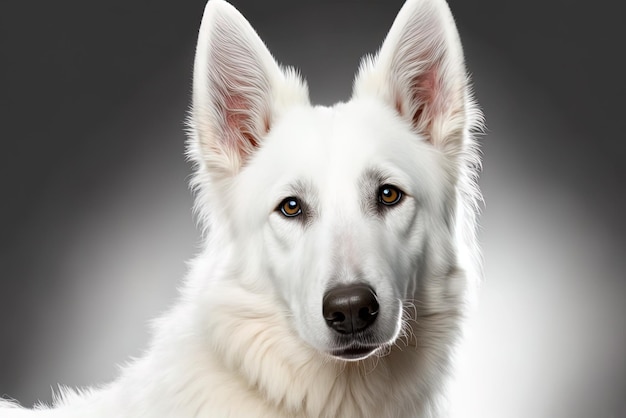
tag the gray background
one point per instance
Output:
(96, 225)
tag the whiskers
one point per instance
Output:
(408, 324)
(407, 338)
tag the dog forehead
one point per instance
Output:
(345, 136)
(340, 150)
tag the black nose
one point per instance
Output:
(349, 309)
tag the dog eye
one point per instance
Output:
(389, 195)
(290, 207)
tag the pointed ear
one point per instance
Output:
(420, 72)
(238, 90)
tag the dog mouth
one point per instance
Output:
(355, 352)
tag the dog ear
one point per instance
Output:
(420, 72)
(238, 88)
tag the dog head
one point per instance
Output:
(350, 213)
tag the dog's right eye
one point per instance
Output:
(389, 195)
(290, 207)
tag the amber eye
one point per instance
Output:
(389, 195)
(290, 207)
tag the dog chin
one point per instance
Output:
(355, 352)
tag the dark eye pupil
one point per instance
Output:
(389, 195)
(290, 207)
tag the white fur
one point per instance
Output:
(247, 338)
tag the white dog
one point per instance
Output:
(340, 240)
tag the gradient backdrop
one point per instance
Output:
(95, 215)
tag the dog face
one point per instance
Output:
(345, 210)
(351, 195)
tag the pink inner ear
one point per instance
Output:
(243, 131)
(238, 123)
(423, 101)
(425, 88)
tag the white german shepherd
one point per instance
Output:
(340, 240)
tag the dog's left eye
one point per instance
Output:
(389, 195)
(290, 207)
